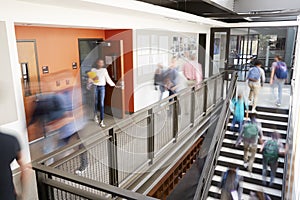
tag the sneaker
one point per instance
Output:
(96, 119)
(246, 164)
(102, 124)
(253, 110)
(80, 170)
(278, 104)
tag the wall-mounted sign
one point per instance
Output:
(45, 69)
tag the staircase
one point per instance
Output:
(231, 156)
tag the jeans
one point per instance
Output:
(278, 83)
(249, 148)
(99, 92)
(273, 165)
(235, 121)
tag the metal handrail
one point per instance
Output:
(125, 121)
(209, 166)
(89, 183)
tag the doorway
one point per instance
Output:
(30, 80)
(219, 45)
(111, 51)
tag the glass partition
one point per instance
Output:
(262, 43)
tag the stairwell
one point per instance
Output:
(232, 157)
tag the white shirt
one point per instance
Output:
(103, 77)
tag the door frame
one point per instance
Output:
(211, 48)
(37, 61)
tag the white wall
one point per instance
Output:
(296, 124)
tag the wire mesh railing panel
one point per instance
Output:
(131, 148)
(219, 88)
(60, 194)
(184, 111)
(199, 102)
(92, 162)
(163, 126)
(210, 92)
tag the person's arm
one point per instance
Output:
(199, 73)
(262, 147)
(260, 133)
(108, 79)
(272, 73)
(263, 76)
(24, 170)
(240, 137)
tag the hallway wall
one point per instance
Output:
(57, 48)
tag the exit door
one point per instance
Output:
(219, 48)
(30, 84)
(112, 54)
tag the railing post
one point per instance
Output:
(215, 90)
(113, 158)
(175, 118)
(150, 134)
(43, 192)
(205, 98)
(193, 106)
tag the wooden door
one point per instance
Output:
(112, 54)
(30, 84)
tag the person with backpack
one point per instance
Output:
(230, 185)
(279, 75)
(250, 134)
(271, 150)
(239, 106)
(256, 78)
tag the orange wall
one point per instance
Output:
(57, 48)
(126, 36)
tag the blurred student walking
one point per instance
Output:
(250, 134)
(278, 77)
(256, 79)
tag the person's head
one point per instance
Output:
(278, 58)
(173, 62)
(193, 57)
(99, 63)
(257, 63)
(275, 135)
(240, 95)
(252, 116)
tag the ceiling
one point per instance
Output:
(209, 9)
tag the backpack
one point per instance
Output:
(250, 130)
(254, 74)
(281, 71)
(270, 151)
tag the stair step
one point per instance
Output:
(254, 187)
(233, 141)
(266, 121)
(271, 110)
(216, 190)
(243, 172)
(231, 136)
(240, 164)
(241, 153)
